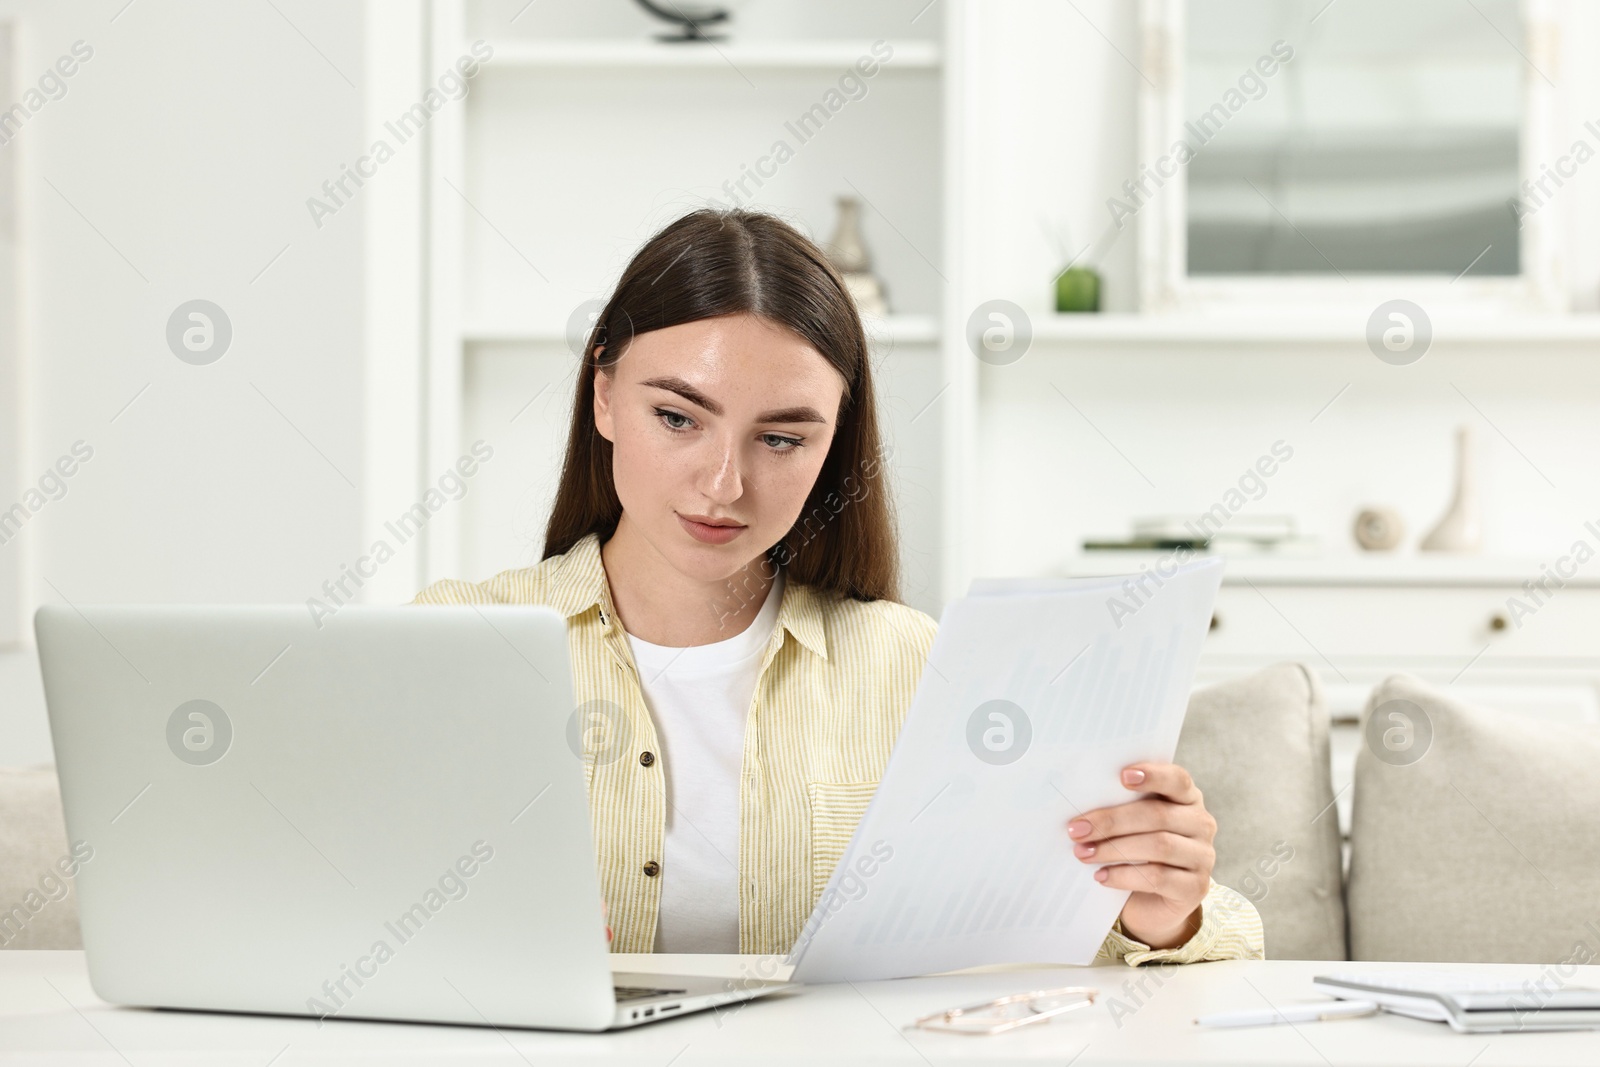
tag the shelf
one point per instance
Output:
(901, 329)
(1117, 328)
(895, 330)
(1347, 569)
(602, 53)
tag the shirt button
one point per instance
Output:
(651, 869)
(647, 758)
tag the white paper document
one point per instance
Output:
(1036, 694)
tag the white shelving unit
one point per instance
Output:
(581, 136)
(1135, 329)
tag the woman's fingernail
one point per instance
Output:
(1133, 776)
(1077, 827)
(1084, 851)
(1101, 875)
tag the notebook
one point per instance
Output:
(1471, 1004)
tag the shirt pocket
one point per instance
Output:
(836, 808)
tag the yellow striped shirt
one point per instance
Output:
(836, 680)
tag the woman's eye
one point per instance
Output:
(678, 422)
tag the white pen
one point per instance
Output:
(1298, 1013)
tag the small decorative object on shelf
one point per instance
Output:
(689, 19)
(847, 251)
(1379, 529)
(1460, 529)
(1077, 284)
(1078, 289)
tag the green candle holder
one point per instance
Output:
(1078, 289)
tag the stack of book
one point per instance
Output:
(1213, 532)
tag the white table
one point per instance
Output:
(49, 1016)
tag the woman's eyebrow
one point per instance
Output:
(694, 396)
(799, 414)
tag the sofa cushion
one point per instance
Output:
(1257, 747)
(38, 904)
(1473, 834)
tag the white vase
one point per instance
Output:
(1461, 528)
(848, 253)
(847, 249)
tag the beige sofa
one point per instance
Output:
(1475, 836)
(38, 904)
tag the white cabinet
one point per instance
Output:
(1422, 626)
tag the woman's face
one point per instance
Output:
(719, 428)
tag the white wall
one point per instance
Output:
(176, 167)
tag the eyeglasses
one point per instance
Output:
(1008, 1013)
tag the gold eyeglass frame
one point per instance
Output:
(971, 1019)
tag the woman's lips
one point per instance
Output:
(711, 535)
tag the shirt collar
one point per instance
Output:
(579, 585)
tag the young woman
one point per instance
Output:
(723, 549)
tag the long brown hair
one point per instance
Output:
(727, 262)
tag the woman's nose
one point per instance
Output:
(723, 482)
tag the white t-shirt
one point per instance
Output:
(699, 697)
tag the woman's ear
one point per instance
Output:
(602, 400)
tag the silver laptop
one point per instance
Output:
(378, 814)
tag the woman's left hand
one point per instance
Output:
(1158, 847)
